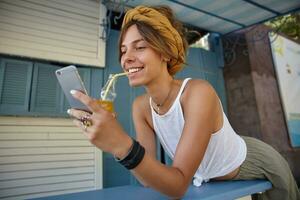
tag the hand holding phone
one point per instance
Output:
(69, 79)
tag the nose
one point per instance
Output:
(128, 57)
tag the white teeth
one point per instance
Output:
(133, 70)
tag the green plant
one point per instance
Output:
(287, 24)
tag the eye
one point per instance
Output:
(140, 48)
(122, 52)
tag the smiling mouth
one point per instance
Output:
(134, 70)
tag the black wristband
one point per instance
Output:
(134, 157)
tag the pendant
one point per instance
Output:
(158, 110)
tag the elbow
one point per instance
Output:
(178, 193)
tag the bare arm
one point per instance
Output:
(144, 133)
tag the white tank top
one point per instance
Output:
(225, 152)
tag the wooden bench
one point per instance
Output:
(218, 190)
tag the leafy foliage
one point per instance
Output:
(287, 24)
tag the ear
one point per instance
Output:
(165, 59)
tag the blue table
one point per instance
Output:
(225, 190)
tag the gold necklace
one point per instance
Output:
(165, 100)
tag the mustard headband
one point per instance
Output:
(162, 24)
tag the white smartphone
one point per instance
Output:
(69, 79)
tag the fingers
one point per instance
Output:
(78, 114)
(85, 130)
(83, 120)
(84, 117)
(88, 101)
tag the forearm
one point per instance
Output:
(168, 180)
(165, 179)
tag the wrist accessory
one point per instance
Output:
(134, 156)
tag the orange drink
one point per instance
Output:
(107, 105)
(108, 93)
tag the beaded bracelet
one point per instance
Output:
(134, 157)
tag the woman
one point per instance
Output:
(186, 116)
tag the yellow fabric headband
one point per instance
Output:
(160, 23)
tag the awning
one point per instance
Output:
(224, 16)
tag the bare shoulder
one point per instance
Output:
(198, 83)
(141, 105)
(141, 114)
(141, 101)
(200, 99)
(197, 88)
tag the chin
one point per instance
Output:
(135, 82)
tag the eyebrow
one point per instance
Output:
(134, 41)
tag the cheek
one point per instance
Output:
(155, 62)
(149, 58)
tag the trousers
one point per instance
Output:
(264, 162)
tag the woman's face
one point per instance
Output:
(139, 59)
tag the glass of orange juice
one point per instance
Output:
(108, 94)
(107, 105)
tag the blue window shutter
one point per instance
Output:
(15, 83)
(45, 90)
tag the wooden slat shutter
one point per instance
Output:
(68, 31)
(45, 156)
(45, 89)
(15, 83)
